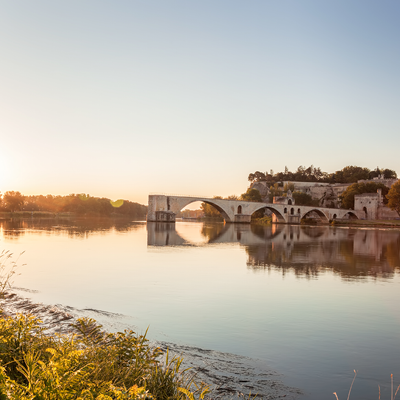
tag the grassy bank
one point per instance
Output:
(392, 223)
(36, 214)
(262, 221)
(48, 214)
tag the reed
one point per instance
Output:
(8, 268)
(392, 396)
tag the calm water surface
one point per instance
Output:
(314, 303)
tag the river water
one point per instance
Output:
(312, 303)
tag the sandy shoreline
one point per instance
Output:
(228, 375)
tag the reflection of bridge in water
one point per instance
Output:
(164, 208)
(305, 249)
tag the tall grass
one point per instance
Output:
(8, 268)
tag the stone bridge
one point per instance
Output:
(163, 208)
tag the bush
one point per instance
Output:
(393, 197)
(304, 199)
(87, 364)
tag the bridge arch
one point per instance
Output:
(185, 202)
(318, 212)
(350, 215)
(276, 212)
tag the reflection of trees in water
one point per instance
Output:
(391, 253)
(265, 232)
(13, 228)
(213, 230)
(314, 232)
(356, 254)
(73, 227)
(270, 256)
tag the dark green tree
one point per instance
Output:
(389, 174)
(304, 199)
(251, 195)
(257, 177)
(352, 174)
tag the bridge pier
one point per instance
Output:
(159, 209)
(242, 219)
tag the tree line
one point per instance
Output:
(349, 174)
(74, 203)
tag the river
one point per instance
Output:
(312, 303)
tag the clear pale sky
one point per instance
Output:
(125, 98)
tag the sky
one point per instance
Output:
(122, 99)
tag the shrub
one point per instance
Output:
(86, 364)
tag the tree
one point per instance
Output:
(209, 210)
(389, 174)
(288, 186)
(13, 201)
(394, 197)
(347, 197)
(257, 176)
(352, 174)
(304, 199)
(274, 190)
(251, 195)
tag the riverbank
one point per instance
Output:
(64, 215)
(228, 375)
(377, 223)
(36, 214)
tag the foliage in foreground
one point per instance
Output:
(88, 364)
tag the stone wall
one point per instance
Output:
(386, 182)
(386, 213)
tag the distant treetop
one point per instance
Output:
(349, 174)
